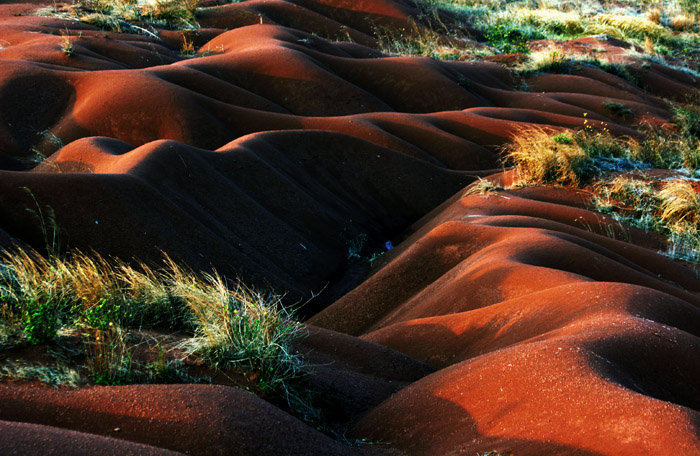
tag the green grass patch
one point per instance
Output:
(541, 156)
(671, 208)
(58, 375)
(617, 109)
(669, 27)
(128, 16)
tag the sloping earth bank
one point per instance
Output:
(274, 151)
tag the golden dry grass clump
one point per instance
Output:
(680, 205)
(683, 22)
(130, 15)
(564, 21)
(104, 300)
(654, 15)
(630, 191)
(636, 25)
(483, 187)
(541, 156)
(674, 211)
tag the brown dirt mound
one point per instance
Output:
(555, 396)
(355, 375)
(474, 255)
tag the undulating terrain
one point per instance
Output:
(286, 151)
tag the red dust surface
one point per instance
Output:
(552, 333)
(518, 322)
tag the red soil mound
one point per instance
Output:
(22, 438)
(551, 336)
(358, 375)
(323, 190)
(275, 154)
(254, 79)
(192, 419)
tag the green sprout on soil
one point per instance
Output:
(67, 44)
(617, 109)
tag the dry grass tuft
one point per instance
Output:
(241, 327)
(66, 44)
(674, 211)
(631, 191)
(232, 326)
(482, 187)
(549, 18)
(178, 14)
(680, 206)
(552, 59)
(58, 375)
(654, 15)
(187, 49)
(424, 40)
(648, 46)
(683, 22)
(109, 355)
(632, 25)
(539, 156)
(628, 195)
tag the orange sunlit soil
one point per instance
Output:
(517, 321)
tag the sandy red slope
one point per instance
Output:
(192, 419)
(550, 337)
(275, 150)
(23, 438)
(440, 124)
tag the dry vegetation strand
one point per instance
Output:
(129, 15)
(231, 324)
(669, 28)
(680, 205)
(539, 156)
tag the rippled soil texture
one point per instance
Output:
(517, 322)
